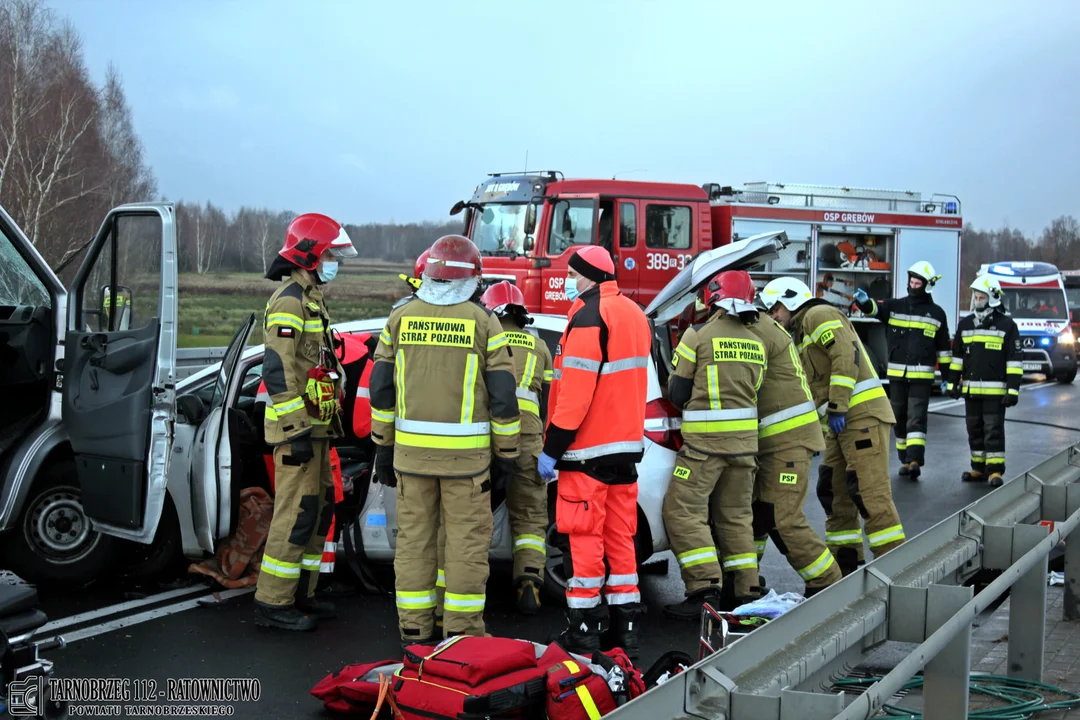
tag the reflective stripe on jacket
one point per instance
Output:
(532, 373)
(442, 390)
(718, 369)
(842, 378)
(600, 384)
(987, 358)
(787, 416)
(295, 334)
(918, 336)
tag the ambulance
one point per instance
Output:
(1035, 298)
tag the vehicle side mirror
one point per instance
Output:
(458, 207)
(192, 408)
(116, 319)
(528, 244)
(530, 218)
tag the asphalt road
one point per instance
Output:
(188, 640)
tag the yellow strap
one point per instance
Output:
(587, 702)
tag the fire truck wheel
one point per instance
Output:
(1066, 377)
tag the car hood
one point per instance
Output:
(741, 255)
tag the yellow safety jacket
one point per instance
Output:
(443, 390)
(787, 416)
(532, 373)
(296, 336)
(719, 368)
(842, 378)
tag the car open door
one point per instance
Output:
(741, 255)
(119, 369)
(214, 500)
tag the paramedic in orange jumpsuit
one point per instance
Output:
(595, 439)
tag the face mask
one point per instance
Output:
(980, 304)
(571, 289)
(328, 270)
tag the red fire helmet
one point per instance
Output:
(501, 294)
(310, 235)
(453, 257)
(418, 268)
(734, 284)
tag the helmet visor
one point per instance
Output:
(342, 247)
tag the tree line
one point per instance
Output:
(69, 152)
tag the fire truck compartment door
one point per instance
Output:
(941, 248)
(741, 255)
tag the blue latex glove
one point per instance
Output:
(546, 465)
(944, 387)
(861, 296)
(837, 423)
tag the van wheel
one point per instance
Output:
(558, 567)
(53, 542)
(1066, 377)
(149, 562)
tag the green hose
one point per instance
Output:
(1022, 698)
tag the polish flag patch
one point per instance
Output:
(286, 332)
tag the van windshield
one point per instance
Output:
(1036, 303)
(500, 228)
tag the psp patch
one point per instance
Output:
(827, 338)
(789, 479)
(682, 473)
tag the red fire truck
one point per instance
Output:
(839, 238)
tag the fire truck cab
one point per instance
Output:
(526, 226)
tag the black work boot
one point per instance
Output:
(321, 609)
(996, 480)
(904, 469)
(528, 596)
(283, 617)
(584, 629)
(914, 470)
(848, 560)
(625, 625)
(690, 608)
(973, 476)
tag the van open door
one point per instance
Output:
(214, 501)
(119, 369)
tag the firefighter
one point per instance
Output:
(852, 401)
(918, 340)
(788, 434)
(595, 437)
(445, 421)
(303, 381)
(718, 369)
(526, 494)
(986, 369)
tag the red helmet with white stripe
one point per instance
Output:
(452, 257)
(418, 267)
(310, 235)
(500, 295)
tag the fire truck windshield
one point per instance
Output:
(500, 228)
(1036, 303)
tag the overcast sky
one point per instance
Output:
(394, 110)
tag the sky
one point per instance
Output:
(392, 111)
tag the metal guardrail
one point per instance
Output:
(191, 360)
(914, 594)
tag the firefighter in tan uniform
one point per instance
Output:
(719, 368)
(526, 494)
(303, 379)
(788, 434)
(445, 419)
(854, 475)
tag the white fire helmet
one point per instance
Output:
(990, 286)
(925, 270)
(789, 292)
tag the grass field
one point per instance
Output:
(212, 307)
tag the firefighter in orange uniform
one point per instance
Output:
(595, 437)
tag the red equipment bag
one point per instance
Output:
(470, 677)
(580, 690)
(362, 683)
